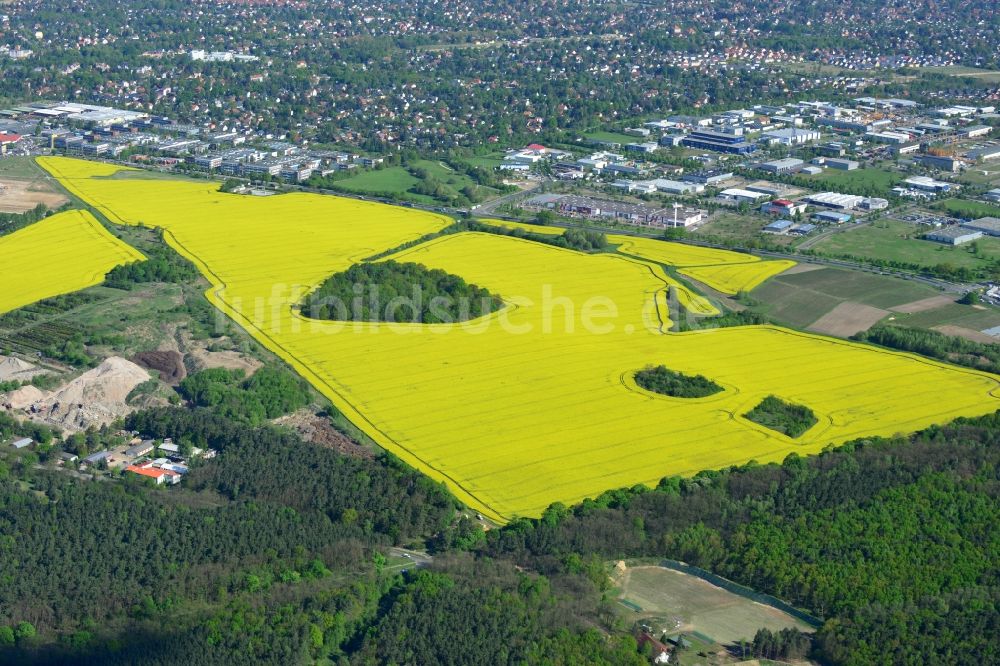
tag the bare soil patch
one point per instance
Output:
(318, 430)
(18, 196)
(967, 333)
(923, 305)
(170, 364)
(847, 319)
(802, 268)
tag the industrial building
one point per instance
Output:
(942, 162)
(874, 203)
(975, 130)
(926, 184)
(984, 154)
(792, 136)
(786, 165)
(719, 142)
(842, 165)
(832, 217)
(708, 177)
(988, 225)
(778, 227)
(783, 207)
(740, 196)
(953, 235)
(835, 200)
(888, 136)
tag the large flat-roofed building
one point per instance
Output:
(783, 207)
(832, 217)
(985, 154)
(713, 177)
(835, 200)
(874, 203)
(779, 227)
(740, 196)
(843, 165)
(929, 184)
(993, 195)
(719, 142)
(988, 225)
(786, 165)
(791, 136)
(942, 162)
(976, 130)
(953, 235)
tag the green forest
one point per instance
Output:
(661, 379)
(276, 552)
(784, 417)
(391, 291)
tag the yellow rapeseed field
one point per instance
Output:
(65, 252)
(723, 270)
(533, 403)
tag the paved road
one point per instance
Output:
(419, 558)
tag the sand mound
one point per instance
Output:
(14, 369)
(24, 397)
(97, 397)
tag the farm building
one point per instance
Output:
(23, 443)
(953, 235)
(988, 225)
(832, 217)
(992, 195)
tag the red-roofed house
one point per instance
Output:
(161, 476)
(659, 653)
(537, 146)
(7, 139)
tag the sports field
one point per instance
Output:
(534, 403)
(63, 253)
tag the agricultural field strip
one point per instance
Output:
(65, 252)
(726, 271)
(515, 421)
